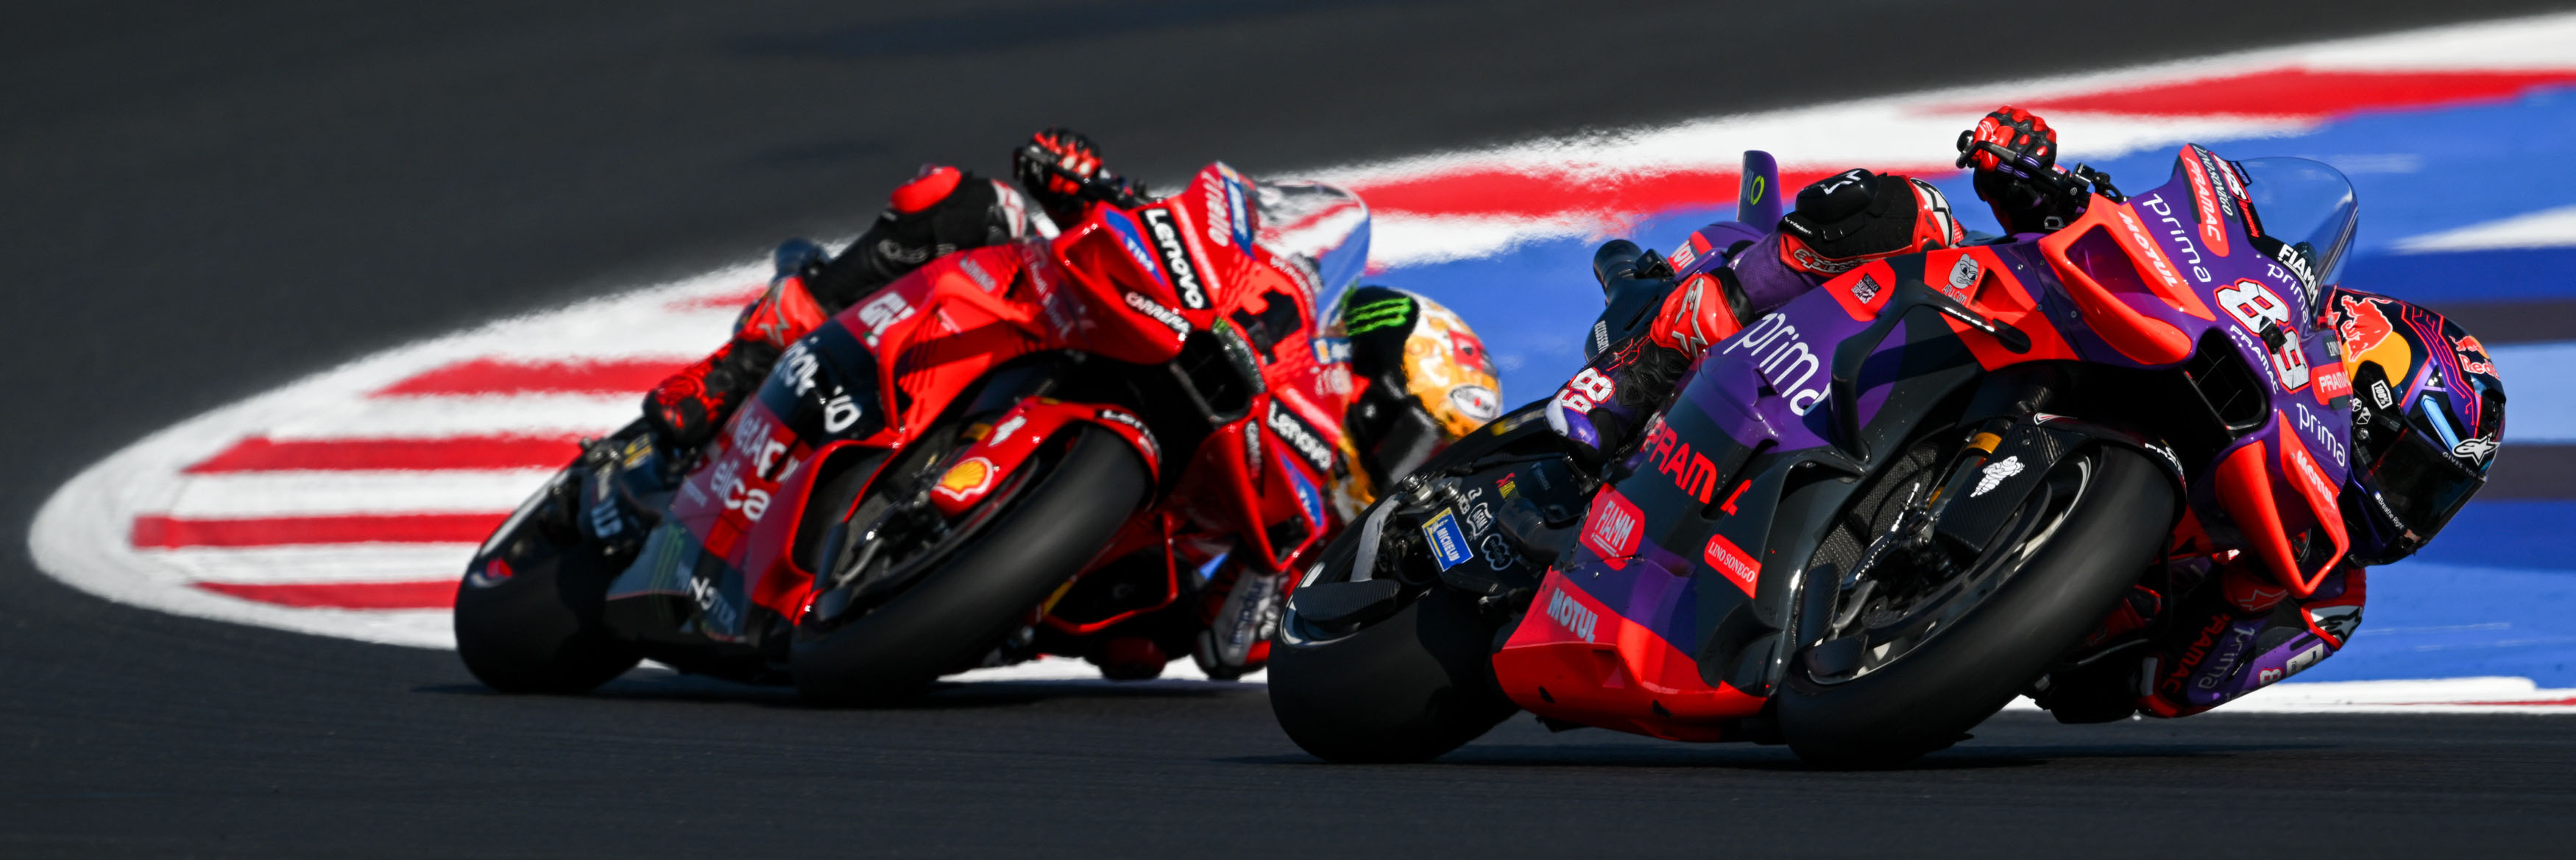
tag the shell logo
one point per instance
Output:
(966, 480)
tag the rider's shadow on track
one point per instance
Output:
(2023, 744)
(664, 686)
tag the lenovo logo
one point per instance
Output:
(1176, 257)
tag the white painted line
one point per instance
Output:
(2540, 384)
(273, 494)
(465, 415)
(355, 563)
(2548, 228)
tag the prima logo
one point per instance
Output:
(1785, 360)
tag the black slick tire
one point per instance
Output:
(1408, 688)
(539, 631)
(1932, 696)
(961, 609)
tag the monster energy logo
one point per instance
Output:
(1383, 313)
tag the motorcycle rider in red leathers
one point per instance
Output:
(1403, 354)
(2207, 627)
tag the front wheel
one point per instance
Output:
(527, 617)
(1380, 686)
(1913, 672)
(948, 599)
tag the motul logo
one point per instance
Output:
(1572, 615)
(2155, 258)
(1611, 529)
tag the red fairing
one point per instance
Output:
(1007, 442)
(1121, 285)
(1574, 658)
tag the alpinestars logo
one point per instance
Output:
(1176, 257)
(1308, 444)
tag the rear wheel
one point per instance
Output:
(1909, 665)
(917, 596)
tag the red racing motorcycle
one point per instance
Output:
(1037, 448)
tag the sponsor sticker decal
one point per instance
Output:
(1478, 403)
(1614, 526)
(1301, 438)
(1963, 279)
(966, 480)
(1995, 473)
(1725, 557)
(1175, 253)
(1133, 241)
(1571, 614)
(1170, 319)
(1448, 542)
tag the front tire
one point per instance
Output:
(1408, 687)
(539, 630)
(970, 600)
(1929, 697)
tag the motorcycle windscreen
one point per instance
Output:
(2300, 200)
(1325, 225)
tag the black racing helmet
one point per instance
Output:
(2428, 416)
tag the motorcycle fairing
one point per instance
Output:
(2109, 290)
(1577, 658)
(1002, 444)
(1215, 262)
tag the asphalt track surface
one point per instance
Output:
(203, 202)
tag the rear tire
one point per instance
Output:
(539, 631)
(1929, 698)
(959, 610)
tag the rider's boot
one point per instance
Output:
(685, 409)
(1240, 608)
(1128, 657)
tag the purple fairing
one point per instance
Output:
(2279, 644)
(1769, 387)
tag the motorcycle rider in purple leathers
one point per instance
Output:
(2205, 627)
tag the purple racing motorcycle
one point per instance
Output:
(1865, 522)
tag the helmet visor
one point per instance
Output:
(2421, 483)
